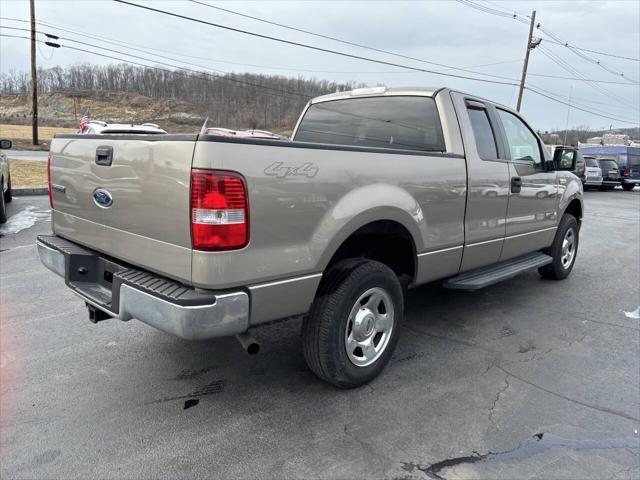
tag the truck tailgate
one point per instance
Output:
(147, 182)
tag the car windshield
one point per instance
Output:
(591, 162)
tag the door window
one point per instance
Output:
(483, 133)
(523, 144)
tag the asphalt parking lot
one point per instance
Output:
(525, 379)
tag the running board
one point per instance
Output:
(485, 276)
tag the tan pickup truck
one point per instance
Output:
(379, 190)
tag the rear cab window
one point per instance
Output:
(393, 122)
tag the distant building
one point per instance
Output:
(622, 154)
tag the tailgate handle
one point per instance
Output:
(104, 156)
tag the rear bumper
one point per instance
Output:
(634, 181)
(593, 180)
(127, 293)
(610, 183)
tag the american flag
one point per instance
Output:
(84, 120)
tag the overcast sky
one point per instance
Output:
(445, 32)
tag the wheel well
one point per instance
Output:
(575, 209)
(385, 241)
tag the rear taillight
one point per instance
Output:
(219, 212)
(49, 180)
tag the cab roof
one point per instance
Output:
(378, 92)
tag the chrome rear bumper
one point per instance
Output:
(135, 294)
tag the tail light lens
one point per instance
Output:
(219, 211)
(49, 180)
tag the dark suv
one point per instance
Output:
(610, 174)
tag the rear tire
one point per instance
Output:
(563, 250)
(354, 323)
(8, 196)
(628, 186)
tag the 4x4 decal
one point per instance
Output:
(282, 170)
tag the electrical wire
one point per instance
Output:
(312, 47)
(585, 57)
(566, 66)
(339, 40)
(566, 44)
(270, 67)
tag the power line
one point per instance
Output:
(586, 57)
(154, 67)
(228, 77)
(312, 47)
(144, 51)
(271, 67)
(581, 109)
(566, 44)
(566, 66)
(339, 40)
(524, 19)
(557, 40)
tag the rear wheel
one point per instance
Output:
(354, 323)
(563, 250)
(628, 186)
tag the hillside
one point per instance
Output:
(176, 100)
(64, 109)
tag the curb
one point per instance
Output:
(20, 192)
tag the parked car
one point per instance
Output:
(593, 173)
(610, 174)
(5, 180)
(379, 190)
(630, 174)
(97, 127)
(227, 132)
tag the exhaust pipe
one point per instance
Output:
(250, 345)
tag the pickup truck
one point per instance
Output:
(379, 190)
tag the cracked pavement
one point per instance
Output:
(474, 373)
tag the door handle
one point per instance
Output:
(104, 155)
(516, 184)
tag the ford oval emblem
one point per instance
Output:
(102, 198)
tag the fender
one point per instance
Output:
(568, 192)
(360, 207)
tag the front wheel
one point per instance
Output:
(563, 250)
(628, 186)
(354, 323)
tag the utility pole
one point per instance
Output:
(530, 46)
(34, 76)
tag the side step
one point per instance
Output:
(485, 276)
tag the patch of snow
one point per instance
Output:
(635, 314)
(24, 219)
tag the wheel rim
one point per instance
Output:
(369, 327)
(568, 248)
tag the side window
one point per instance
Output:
(397, 122)
(523, 144)
(482, 131)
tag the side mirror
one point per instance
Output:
(565, 159)
(5, 144)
